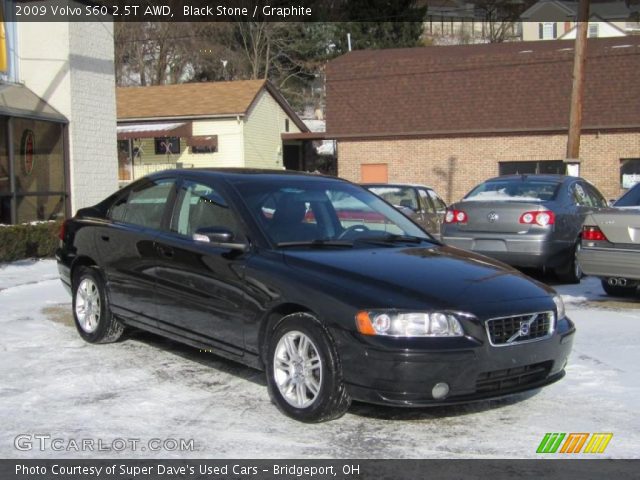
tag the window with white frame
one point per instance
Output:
(548, 30)
(593, 30)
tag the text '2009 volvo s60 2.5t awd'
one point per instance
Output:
(269, 269)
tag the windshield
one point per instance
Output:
(331, 212)
(524, 189)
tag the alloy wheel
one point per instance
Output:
(297, 369)
(88, 305)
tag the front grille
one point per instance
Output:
(508, 379)
(520, 328)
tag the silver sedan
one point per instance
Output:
(611, 245)
(525, 221)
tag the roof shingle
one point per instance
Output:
(481, 88)
(187, 99)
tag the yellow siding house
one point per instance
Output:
(192, 125)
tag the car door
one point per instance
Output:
(200, 286)
(125, 246)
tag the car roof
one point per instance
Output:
(535, 176)
(411, 185)
(240, 173)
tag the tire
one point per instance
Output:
(618, 291)
(571, 272)
(304, 377)
(93, 318)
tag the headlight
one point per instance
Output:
(557, 299)
(410, 324)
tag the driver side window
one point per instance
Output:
(201, 206)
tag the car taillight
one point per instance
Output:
(543, 218)
(455, 216)
(593, 233)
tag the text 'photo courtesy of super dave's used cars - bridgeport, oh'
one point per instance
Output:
(319, 282)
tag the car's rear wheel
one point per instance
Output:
(303, 371)
(571, 271)
(91, 312)
(618, 290)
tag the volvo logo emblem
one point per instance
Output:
(492, 217)
(525, 328)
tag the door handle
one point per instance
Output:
(104, 238)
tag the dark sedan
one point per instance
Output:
(525, 221)
(421, 204)
(611, 245)
(272, 270)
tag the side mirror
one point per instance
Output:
(611, 202)
(218, 237)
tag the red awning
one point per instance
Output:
(153, 130)
(203, 141)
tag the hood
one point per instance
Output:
(431, 277)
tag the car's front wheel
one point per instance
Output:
(303, 371)
(91, 312)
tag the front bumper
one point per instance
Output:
(517, 250)
(472, 369)
(610, 262)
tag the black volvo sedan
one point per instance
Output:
(321, 283)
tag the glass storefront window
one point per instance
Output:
(39, 158)
(34, 208)
(38, 190)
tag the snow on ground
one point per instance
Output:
(145, 387)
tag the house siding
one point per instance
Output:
(455, 165)
(229, 154)
(264, 124)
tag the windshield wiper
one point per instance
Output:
(391, 238)
(316, 244)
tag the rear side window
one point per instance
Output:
(437, 201)
(144, 206)
(587, 196)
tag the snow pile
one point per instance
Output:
(146, 387)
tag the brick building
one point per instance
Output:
(453, 116)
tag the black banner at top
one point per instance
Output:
(453, 11)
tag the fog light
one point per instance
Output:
(440, 390)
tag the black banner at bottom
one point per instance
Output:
(115, 469)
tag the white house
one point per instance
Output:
(556, 19)
(213, 124)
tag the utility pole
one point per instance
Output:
(577, 89)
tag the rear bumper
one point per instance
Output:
(610, 262)
(478, 372)
(518, 250)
